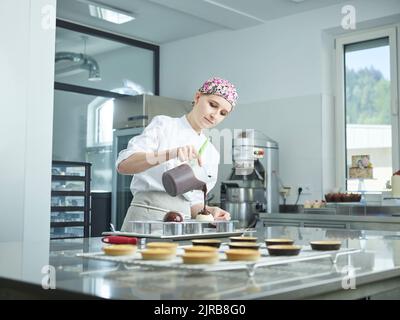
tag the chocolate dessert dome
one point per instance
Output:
(173, 216)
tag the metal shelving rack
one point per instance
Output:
(63, 176)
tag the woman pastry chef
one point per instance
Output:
(165, 143)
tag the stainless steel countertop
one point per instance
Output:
(380, 257)
(350, 209)
(377, 263)
(334, 217)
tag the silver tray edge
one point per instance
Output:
(177, 237)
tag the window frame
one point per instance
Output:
(392, 32)
(113, 37)
(91, 139)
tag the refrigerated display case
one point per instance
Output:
(70, 200)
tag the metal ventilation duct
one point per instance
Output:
(82, 61)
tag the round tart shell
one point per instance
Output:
(119, 250)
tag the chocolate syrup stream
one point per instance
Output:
(205, 196)
(204, 211)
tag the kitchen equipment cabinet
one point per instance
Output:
(100, 213)
(70, 200)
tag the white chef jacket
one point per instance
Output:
(164, 133)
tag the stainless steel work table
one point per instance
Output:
(374, 221)
(374, 271)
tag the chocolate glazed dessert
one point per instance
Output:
(173, 216)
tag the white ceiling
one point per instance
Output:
(161, 21)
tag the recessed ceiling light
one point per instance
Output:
(107, 13)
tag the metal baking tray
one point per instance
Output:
(266, 260)
(188, 229)
(181, 228)
(178, 237)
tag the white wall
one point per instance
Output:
(26, 81)
(282, 72)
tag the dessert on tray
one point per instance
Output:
(119, 249)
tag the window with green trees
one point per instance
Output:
(367, 96)
(368, 114)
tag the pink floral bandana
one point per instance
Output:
(220, 87)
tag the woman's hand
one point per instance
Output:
(219, 214)
(185, 153)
